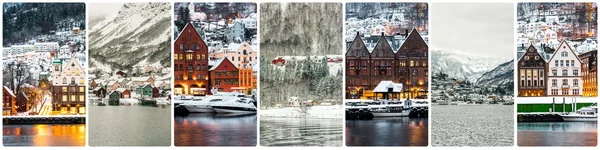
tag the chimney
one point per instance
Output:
(405, 33)
(382, 34)
(522, 45)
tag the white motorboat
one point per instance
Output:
(180, 99)
(239, 106)
(204, 105)
(585, 114)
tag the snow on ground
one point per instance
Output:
(314, 112)
(548, 100)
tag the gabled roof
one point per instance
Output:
(10, 92)
(218, 63)
(564, 43)
(383, 86)
(534, 51)
(121, 90)
(357, 42)
(194, 32)
(414, 35)
(384, 46)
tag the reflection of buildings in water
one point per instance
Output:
(560, 126)
(45, 135)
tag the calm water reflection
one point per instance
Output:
(472, 125)
(211, 129)
(129, 126)
(300, 132)
(399, 131)
(557, 134)
(44, 135)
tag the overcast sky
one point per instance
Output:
(103, 8)
(481, 29)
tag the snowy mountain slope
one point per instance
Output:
(138, 34)
(503, 75)
(462, 66)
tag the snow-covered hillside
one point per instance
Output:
(502, 75)
(138, 33)
(462, 66)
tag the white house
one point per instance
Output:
(564, 78)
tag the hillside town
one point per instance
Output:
(44, 71)
(137, 73)
(216, 48)
(557, 49)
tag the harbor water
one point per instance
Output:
(472, 125)
(392, 131)
(557, 133)
(301, 132)
(129, 126)
(44, 135)
(212, 129)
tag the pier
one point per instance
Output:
(66, 119)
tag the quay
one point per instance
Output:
(63, 119)
(539, 117)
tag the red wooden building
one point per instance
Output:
(191, 62)
(224, 75)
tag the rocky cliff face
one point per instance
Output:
(138, 34)
(301, 29)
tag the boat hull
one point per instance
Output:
(580, 118)
(199, 109)
(390, 114)
(227, 110)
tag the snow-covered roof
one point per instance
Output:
(10, 92)
(216, 64)
(121, 90)
(383, 86)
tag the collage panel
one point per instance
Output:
(130, 74)
(44, 69)
(387, 74)
(472, 84)
(557, 50)
(215, 58)
(301, 74)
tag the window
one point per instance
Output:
(81, 89)
(81, 98)
(554, 72)
(575, 82)
(564, 72)
(64, 89)
(414, 72)
(522, 82)
(189, 56)
(565, 82)
(190, 67)
(554, 82)
(575, 92)
(572, 63)
(203, 67)
(73, 98)
(412, 63)
(561, 63)
(555, 63)
(541, 82)
(180, 46)
(64, 98)
(81, 81)
(575, 72)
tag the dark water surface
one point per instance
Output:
(129, 126)
(557, 134)
(395, 131)
(301, 132)
(211, 129)
(472, 125)
(44, 135)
